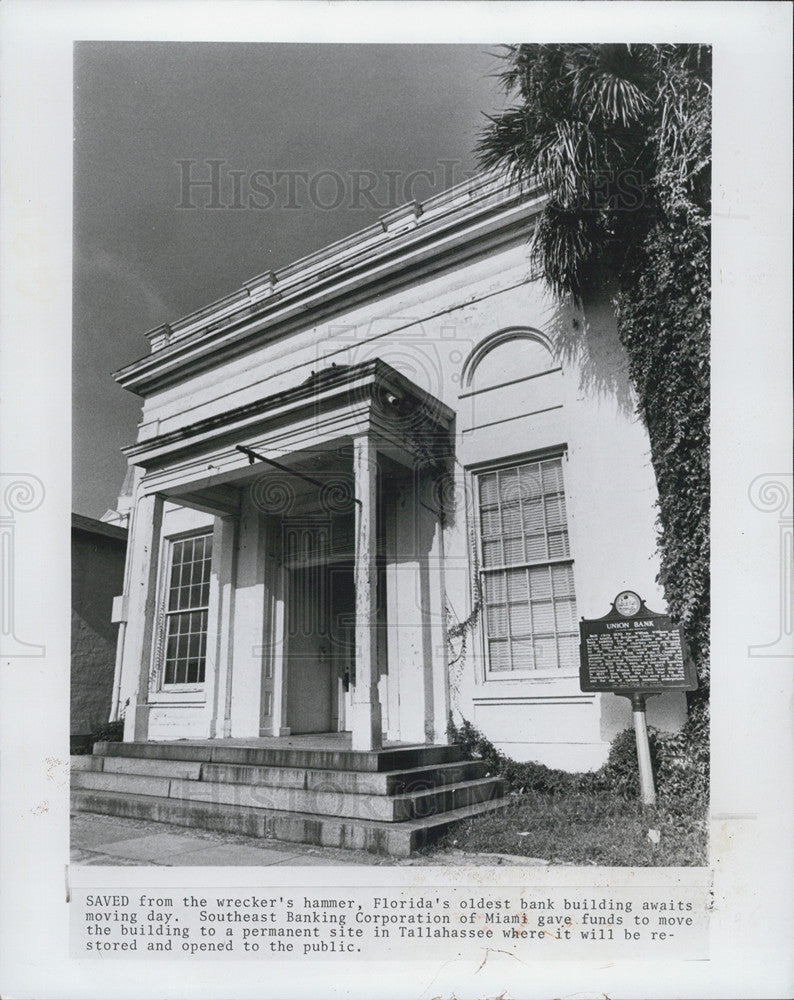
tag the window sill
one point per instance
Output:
(192, 695)
(542, 687)
(535, 676)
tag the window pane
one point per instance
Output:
(489, 519)
(536, 547)
(499, 658)
(546, 654)
(517, 584)
(552, 476)
(523, 656)
(569, 652)
(514, 550)
(558, 545)
(555, 512)
(530, 482)
(520, 620)
(495, 587)
(497, 620)
(539, 582)
(565, 612)
(492, 554)
(562, 579)
(508, 486)
(543, 617)
(533, 516)
(511, 519)
(488, 489)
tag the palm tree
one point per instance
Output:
(619, 136)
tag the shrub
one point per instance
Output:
(621, 773)
(683, 766)
(110, 732)
(680, 763)
(518, 776)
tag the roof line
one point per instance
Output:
(398, 232)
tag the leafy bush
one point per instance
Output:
(621, 773)
(111, 732)
(518, 776)
(682, 773)
(680, 763)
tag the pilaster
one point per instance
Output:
(137, 663)
(366, 723)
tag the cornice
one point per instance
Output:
(457, 224)
(347, 385)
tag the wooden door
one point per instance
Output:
(311, 681)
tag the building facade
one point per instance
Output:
(98, 552)
(377, 489)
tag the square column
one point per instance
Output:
(251, 627)
(366, 722)
(434, 601)
(136, 666)
(219, 637)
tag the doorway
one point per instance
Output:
(320, 646)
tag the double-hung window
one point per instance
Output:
(186, 610)
(526, 570)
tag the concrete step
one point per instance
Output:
(157, 768)
(327, 802)
(393, 839)
(355, 782)
(388, 759)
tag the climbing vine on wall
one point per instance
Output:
(620, 137)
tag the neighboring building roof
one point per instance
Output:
(406, 243)
(94, 527)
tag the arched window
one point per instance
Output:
(509, 375)
(497, 358)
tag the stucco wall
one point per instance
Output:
(570, 396)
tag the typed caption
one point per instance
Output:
(385, 922)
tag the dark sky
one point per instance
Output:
(352, 117)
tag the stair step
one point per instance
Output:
(389, 759)
(356, 782)
(157, 768)
(393, 839)
(329, 801)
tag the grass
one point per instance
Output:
(589, 828)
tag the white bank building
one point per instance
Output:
(376, 490)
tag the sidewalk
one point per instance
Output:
(111, 840)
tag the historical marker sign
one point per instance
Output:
(633, 650)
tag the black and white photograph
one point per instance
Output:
(419, 495)
(425, 383)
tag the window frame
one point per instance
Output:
(474, 473)
(160, 654)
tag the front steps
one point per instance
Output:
(389, 801)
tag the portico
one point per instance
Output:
(315, 599)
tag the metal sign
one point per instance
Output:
(632, 650)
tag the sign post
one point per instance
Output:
(647, 788)
(635, 653)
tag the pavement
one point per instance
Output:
(112, 840)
